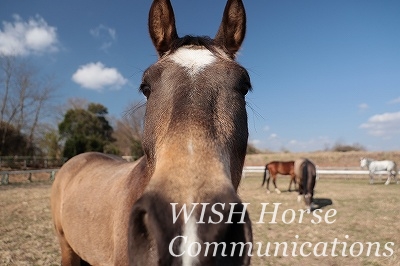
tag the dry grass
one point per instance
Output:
(366, 213)
(26, 231)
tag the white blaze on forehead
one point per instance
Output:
(194, 60)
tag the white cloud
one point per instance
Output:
(105, 34)
(255, 142)
(383, 125)
(394, 101)
(26, 37)
(363, 106)
(96, 76)
(266, 128)
(273, 136)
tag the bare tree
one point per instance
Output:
(77, 103)
(128, 129)
(40, 104)
(7, 66)
(24, 94)
(49, 140)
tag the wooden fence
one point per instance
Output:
(5, 175)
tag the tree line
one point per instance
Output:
(31, 125)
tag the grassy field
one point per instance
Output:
(364, 213)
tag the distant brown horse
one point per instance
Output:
(278, 167)
(306, 175)
(110, 212)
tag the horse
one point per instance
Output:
(180, 199)
(278, 167)
(374, 166)
(306, 175)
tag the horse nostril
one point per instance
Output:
(138, 224)
(239, 232)
(150, 230)
(139, 232)
(228, 242)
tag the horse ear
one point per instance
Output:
(232, 30)
(162, 25)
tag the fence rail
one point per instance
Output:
(5, 175)
(24, 162)
(260, 169)
(246, 170)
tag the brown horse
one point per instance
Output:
(278, 167)
(174, 204)
(306, 175)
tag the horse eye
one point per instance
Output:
(145, 89)
(245, 84)
(245, 87)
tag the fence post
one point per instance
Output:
(4, 179)
(52, 175)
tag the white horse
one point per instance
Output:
(374, 166)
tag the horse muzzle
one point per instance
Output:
(213, 232)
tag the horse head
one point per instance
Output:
(195, 138)
(363, 162)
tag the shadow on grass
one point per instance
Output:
(322, 202)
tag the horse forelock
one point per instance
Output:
(204, 42)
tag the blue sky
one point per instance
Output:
(323, 72)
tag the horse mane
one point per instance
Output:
(189, 40)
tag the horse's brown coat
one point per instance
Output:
(272, 169)
(110, 212)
